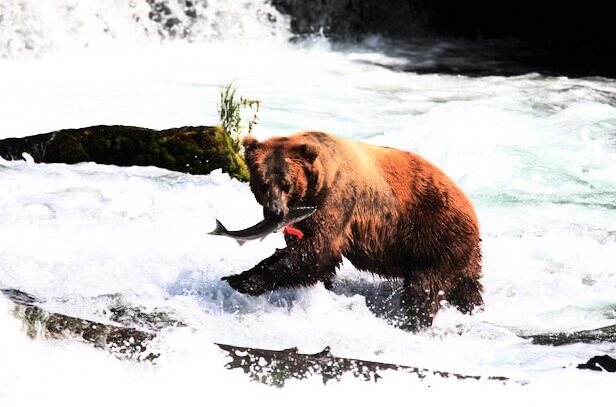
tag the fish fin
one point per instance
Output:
(240, 242)
(220, 229)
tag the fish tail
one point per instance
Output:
(220, 229)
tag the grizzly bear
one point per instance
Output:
(387, 211)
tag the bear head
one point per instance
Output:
(283, 173)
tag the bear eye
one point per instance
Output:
(286, 187)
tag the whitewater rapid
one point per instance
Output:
(536, 155)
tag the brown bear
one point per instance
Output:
(387, 211)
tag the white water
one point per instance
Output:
(536, 154)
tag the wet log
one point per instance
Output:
(193, 150)
(271, 367)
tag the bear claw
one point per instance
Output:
(252, 285)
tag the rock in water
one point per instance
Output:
(603, 334)
(600, 363)
(275, 368)
(272, 367)
(193, 150)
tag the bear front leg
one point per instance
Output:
(255, 281)
(420, 302)
(297, 265)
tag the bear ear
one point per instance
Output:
(310, 152)
(249, 142)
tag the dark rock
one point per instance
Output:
(136, 317)
(599, 363)
(605, 334)
(173, 24)
(344, 19)
(189, 10)
(563, 37)
(194, 150)
(275, 368)
(478, 19)
(19, 297)
(122, 342)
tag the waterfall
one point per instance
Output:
(33, 27)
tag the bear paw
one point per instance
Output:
(253, 284)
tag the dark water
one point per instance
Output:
(502, 57)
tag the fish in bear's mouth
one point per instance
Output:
(267, 226)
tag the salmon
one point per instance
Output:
(266, 226)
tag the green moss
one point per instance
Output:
(34, 319)
(195, 150)
(121, 341)
(68, 148)
(199, 150)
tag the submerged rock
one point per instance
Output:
(193, 150)
(137, 328)
(136, 317)
(275, 368)
(123, 342)
(600, 363)
(272, 367)
(129, 339)
(604, 334)
(19, 297)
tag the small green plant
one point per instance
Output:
(232, 111)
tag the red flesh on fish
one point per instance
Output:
(290, 230)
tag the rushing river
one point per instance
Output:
(536, 154)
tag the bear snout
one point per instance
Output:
(273, 210)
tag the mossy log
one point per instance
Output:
(193, 150)
(272, 367)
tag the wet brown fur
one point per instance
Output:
(387, 211)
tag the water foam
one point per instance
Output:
(35, 28)
(534, 153)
